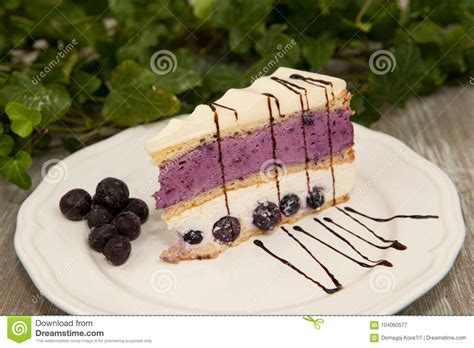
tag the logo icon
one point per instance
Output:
(316, 321)
(374, 338)
(382, 62)
(163, 62)
(19, 328)
(374, 325)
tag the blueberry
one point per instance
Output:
(111, 193)
(100, 235)
(138, 207)
(128, 225)
(308, 119)
(193, 237)
(289, 204)
(75, 204)
(117, 250)
(315, 198)
(266, 216)
(99, 215)
(226, 230)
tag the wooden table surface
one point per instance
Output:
(439, 127)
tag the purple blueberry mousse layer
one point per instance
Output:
(198, 170)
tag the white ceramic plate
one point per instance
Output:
(391, 179)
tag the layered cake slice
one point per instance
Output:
(258, 157)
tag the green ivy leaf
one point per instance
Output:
(185, 77)
(280, 47)
(45, 142)
(395, 86)
(318, 51)
(3, 77)
(385, 23)
(277, 49)
(434, 76)
(14, 169)
(243, 20)
(365, 114)
(6, 144)
(427, 32)
(8, 5)
(221, 78)
(84, 85)
(23, 119)
(72, 144)
(135, 98)
(51, 100)
(202, 8)
(139, 48)
(453, 47)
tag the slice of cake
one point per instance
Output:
(256, 158)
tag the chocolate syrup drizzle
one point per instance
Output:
(394, 243)
(297, 90)
(272, 132)
(277, 102)
(360, 263)
(221, 162)
(260, 244)
(227, 108)
(352, 210)
(310, 79)
(333, 278)
(371, 263)
(318, 83)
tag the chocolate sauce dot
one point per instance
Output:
(386, 263)
(398, 246)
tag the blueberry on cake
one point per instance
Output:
(256, 158)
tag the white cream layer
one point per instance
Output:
(250, 104)
(242, 202)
